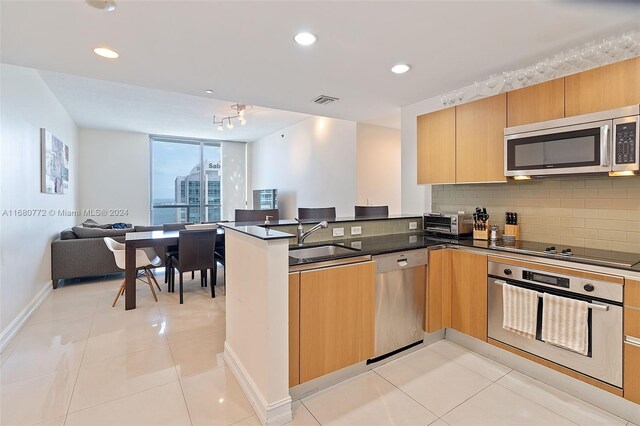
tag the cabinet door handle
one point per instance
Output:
(633, 341)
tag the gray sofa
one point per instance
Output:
(81, 252)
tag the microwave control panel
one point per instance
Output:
(626, 143)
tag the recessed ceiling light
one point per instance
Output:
(400, 68)
(106, 5)
(209, 91)
(305, 39)
(105, 52)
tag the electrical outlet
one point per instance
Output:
(338, 232)
(356, 230)
(356, 245)
(413, 239)
(413, 225)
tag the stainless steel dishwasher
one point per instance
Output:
(399, 301)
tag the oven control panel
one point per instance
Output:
(625, 147)
(545, 279)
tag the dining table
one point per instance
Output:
(137, 240)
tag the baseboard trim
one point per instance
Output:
(12, 329)
(275, 414)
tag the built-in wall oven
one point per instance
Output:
(602, 142)
(604, 358)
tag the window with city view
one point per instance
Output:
(186, 181)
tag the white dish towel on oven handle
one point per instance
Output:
(519, 310)
(565, 323)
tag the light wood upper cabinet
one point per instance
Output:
(469, 293)
(480, 140)
(612, 86)
(294, 329)
(540, 102)
(437, 147)
(336, 318)
(438, 291)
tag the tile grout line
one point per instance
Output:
(448, 360)
(403, 392)
(184, 398)
(75, 383)
(308, 409)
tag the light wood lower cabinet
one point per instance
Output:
(294, 329)
(632, 372)
(336, 318)
(631, 379)
(438, 291)
(469, 293)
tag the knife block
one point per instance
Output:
(479, 234)
(512, 230)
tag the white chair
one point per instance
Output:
(144, 258)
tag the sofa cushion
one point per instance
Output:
(142, 228)
(83, 232)
(68, 234)
(89, 222)
(91, 225)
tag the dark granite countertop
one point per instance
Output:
(260, 232)
(334, 220)
(411, 241)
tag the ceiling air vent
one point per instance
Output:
(324, 99)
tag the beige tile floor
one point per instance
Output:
(80, 362)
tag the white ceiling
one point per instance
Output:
(99, 104)
(244, 50)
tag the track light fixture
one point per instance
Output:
(240, 116)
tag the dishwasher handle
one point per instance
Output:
(402, 262)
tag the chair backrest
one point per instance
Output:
(256, 215)
(196, 250)
(118, 251)
(175, 226)
(197, 226)
(372, 211)
(320, 213)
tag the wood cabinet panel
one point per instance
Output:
(336, 318)
(294, 329)
(612, 86)
(632, 322)
(469, 293)
(540, 102)
(631, 378)
(438, 291)
(480, 140)
(632, 293)
(437, 147)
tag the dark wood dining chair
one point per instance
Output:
(320, 213)
(256, 215)
(196, 252)
(372, 211)
(172, 250)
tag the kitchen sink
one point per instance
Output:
(319, 251)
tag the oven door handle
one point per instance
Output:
(596, 306)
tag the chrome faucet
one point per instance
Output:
(302, 235)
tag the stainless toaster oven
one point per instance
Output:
(456, 224)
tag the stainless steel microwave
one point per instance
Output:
(602, 142)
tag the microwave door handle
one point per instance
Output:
(605, 149)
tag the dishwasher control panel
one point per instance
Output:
(400, 260)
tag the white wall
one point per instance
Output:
(27, 105)
(114, 169)
(234, 179)
(313, 165)
(415, 198)
(378, 167)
